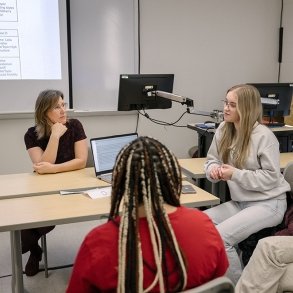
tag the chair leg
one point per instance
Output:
(44, 247)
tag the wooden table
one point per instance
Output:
(285, 158)
(53, 209)
(194, 167)
(30, 184)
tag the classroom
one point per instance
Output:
(208, 45)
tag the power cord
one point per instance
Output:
(160, 122)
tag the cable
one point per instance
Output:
(137, 120)
(68, 17)
(280, 40)
(138, 34)
(138, 48)
(160, 122)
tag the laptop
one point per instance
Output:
(105, 150)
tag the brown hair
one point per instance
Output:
(46, 100)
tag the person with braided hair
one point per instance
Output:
(154, 244)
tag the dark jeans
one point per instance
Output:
(30, 237)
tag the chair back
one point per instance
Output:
(288, 174)
(218, 285)
(90, 160)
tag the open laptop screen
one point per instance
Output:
(106, 149)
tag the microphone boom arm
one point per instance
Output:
(215, 114)
(175, 98)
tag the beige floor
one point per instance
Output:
(63, 243)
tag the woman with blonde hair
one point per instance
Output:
(154, 245)
(246, 154)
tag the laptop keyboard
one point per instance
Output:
(107, 177)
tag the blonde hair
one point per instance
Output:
(249, 108)
(46, 100)
(146, 174)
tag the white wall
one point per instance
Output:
(13, 155)
(210, 45)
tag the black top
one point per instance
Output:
(65, 153)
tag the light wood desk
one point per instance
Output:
(29, 184)
(194, 167)
(54, 209)
(285, 158)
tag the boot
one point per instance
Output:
(32, 266)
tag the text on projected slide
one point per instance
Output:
(29, 39)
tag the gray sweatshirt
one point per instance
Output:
(260, 178)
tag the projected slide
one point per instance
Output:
(29, 40)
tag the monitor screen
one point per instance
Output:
(136, 91)
(276, 98)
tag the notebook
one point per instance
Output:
(105, 150)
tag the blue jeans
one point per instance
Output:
(236, 221)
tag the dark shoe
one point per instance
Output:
(32, 266)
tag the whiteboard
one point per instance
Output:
(103, 46)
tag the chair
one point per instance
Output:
(44, 247)
(218, 285)
(90, 160)
(288, 174)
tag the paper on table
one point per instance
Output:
(98, 192)
(93, 193)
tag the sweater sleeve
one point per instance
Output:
(266, 176)
(213, 156)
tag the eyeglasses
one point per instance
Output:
(230, 105)
(61, 106)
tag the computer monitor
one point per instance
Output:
(137, 91)
(276, 98)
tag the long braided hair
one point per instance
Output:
(146, 174)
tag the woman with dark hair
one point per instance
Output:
(55, 144)
(154, 244)
(246, 154)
